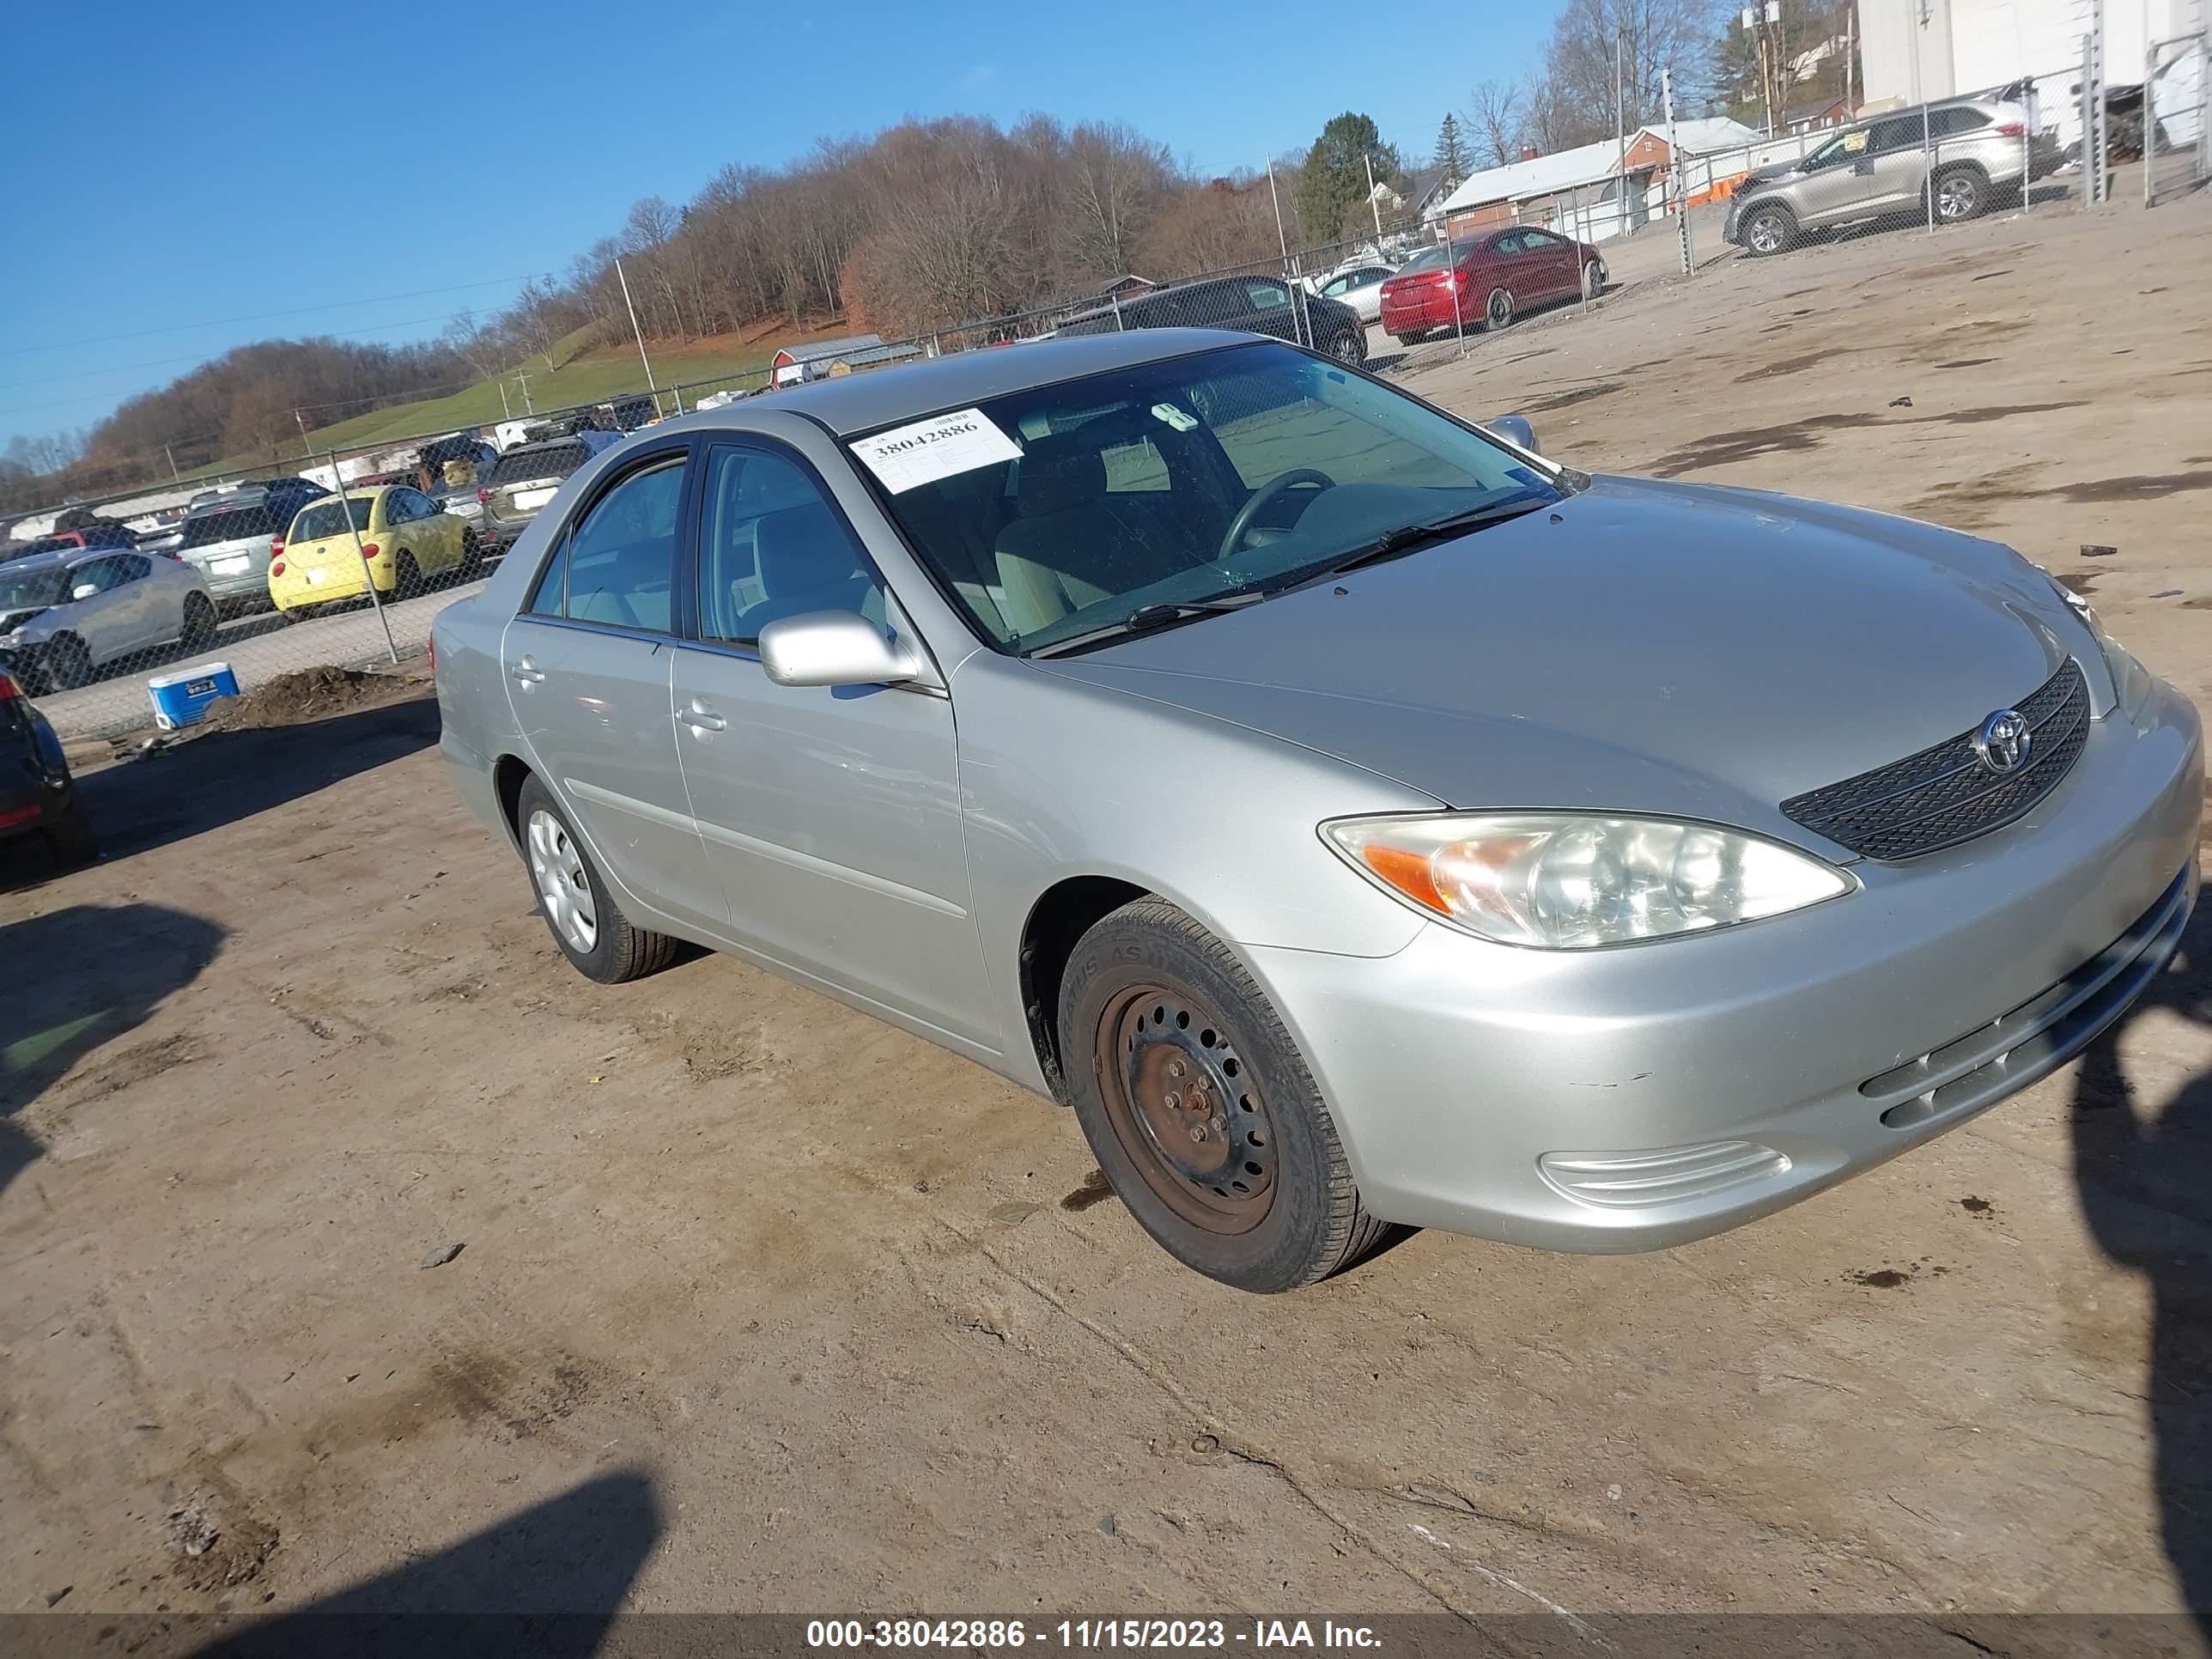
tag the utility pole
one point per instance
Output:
(302, 425)
(175, 475)
(506, 413)
(1372, 203)
(640, 332)
(1281, 240)
(528, 408)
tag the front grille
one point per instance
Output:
(1944, 795)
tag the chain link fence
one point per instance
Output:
(2177, 137)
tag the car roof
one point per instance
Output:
(56, 560)
(850, 404)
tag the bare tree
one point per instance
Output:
(1496, 119)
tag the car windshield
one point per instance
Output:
(20, 590)
(230, 524)
(553, 461)
(324, 518)
(1235, 471)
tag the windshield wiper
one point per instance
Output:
(1395, 543)
(1147, 617)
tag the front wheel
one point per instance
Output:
(1593, 284)
(68, 663)
(586, 923)
(1200, 1109)
(1767, 230)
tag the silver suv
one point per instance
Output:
(1968, 150)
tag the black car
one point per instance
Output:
(1257, 304)
(37, 797)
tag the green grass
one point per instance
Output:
(579, 378)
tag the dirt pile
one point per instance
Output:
(307, 694)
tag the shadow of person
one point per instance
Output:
(84, 975)
(545, 1583)
(2145, 1179)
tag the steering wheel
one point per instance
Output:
(1241, 524)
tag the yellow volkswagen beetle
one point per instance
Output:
(404, 536)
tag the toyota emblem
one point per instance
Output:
(2003, 741)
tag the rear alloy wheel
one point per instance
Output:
(1200, 1109)
(586, 922)
(68, 663)
(406, 576)
(1959, 196)
(1768, 230)
(1349, 350)
(1498, 310)
(200, 623)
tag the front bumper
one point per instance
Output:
(1643, 1097)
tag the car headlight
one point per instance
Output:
(1569, 881)
(2131, 681)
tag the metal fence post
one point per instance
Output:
(1119, 325)
(1676, 194)
(2149, 111)
(367, 576)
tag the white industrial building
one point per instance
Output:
(1977, 46)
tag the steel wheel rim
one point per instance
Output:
(1501, 308)
(1187, 1111)
(1953, 197)
(564, 891)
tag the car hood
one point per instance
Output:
(1642, 647)
(1765, 175)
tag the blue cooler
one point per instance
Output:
(182, 697)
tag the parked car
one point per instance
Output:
(37, 797)
(230, 534)
(405, 537)
(463, 470)
(1277, 769)
(1360, 286)
(1981, 149)
(1485, 282)
(524, 478)
(64, 616)
(1256, 305)
(96, 536)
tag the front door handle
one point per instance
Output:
(700, 717)
(526, 673)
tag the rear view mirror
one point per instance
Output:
(1516, 430)
(84, 590)
(832, 647)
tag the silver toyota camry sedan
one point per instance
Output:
(1357, 818)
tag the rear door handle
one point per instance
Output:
(700, 717)
(526, 673)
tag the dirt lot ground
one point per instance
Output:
(763, 1305)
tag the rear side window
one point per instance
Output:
(616, 565)
(1957, 123)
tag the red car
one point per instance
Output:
(1481, 282)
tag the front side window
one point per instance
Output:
(1238, 471)
(620, 556)
(772, 546)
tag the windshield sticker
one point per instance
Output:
(1174, 417)
(922, 452)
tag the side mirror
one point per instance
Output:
(84, 590)
(832, 647)
(1515, 430)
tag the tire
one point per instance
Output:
(1767, 230)
(1406, 340)
(1498, 312)
(1592, 286)
(1349, 350)
(1960, 194)
(70, 838)
(1148, 991)
(200, 624)
(68, 663)
(406, 576)
(604, 947)
(472, 554)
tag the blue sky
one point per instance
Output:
(178, 175)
